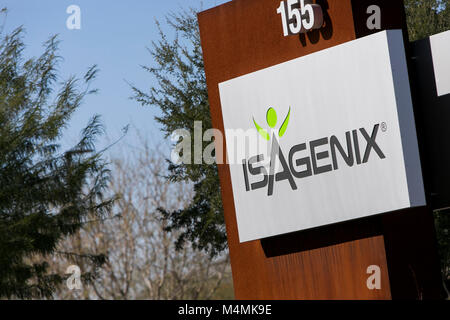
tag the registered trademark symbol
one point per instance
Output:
(383, 126)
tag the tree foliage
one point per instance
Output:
(427, 17)
(143, 262)
(182, 97)
(45, 193)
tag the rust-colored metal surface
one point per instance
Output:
(244, 36)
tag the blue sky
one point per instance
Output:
(114, 35)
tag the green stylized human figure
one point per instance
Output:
(271, 118)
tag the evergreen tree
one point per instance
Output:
(427, 17)
(46, 194)
(182, 97)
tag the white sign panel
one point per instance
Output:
(440, 50)
(337, 139)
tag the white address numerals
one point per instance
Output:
(300, 16)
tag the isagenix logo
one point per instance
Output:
(356, 150)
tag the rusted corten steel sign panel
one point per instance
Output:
(250, 47)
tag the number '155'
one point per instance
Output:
(300, 16)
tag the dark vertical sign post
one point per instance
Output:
(330, 262)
